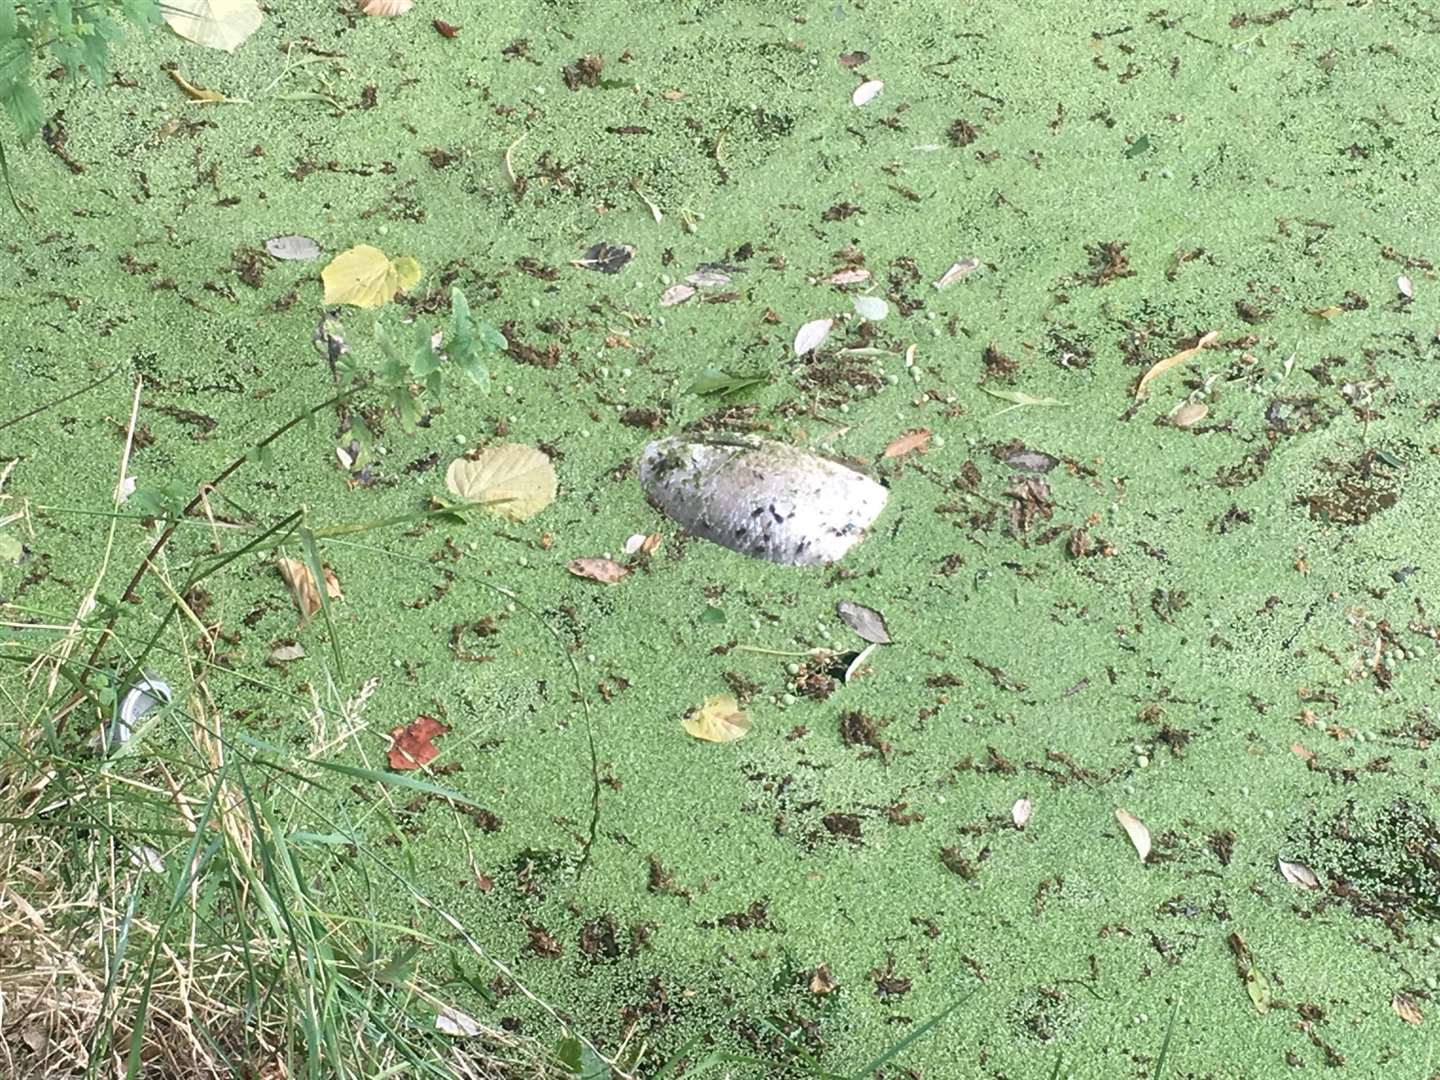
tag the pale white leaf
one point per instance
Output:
(216, 24)
(866, 92)
(676, 294)
(386, 9)
(293, 248)
(870, 308)
(708, 276)
(451, 1021)
(1020, 812)
(1298, 874)
(1406, 287)
(1136, 830)
(632, 543)
(852, 275)
(963, 268)
(812, 335)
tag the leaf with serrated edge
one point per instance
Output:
(1136, 830)
(520, 475)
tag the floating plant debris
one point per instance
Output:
(761, 498)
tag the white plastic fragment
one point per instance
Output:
(761, 498)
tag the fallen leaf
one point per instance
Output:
(193, 92)
(720, 720)
(822, 981)
(1136, 830)
(958, 270)
(1018, 399)
(1189, 414)
(301, 583)
(216, 24)
(11, 549)
(652, 542)
(1162, 366)
(451, 1021)
(633, 542)
(1405, 287)
(853, 275)
(1406, 1009)
(293, 248)
(868, 623)
(1301, 752)
(708, 276)
(386, 9)
(606, 258)
(444, 29)
(1020, 812)
(411, 744)
(520, 475)
(853, 59)
(284, 654)
(676, 294)
(866, 92)
(870, 308)
(1298, 874)
(908, 443)
(1326, 312)
(597, 569)
(363, 277)
(812, 335)
(725, 383)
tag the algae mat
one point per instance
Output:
(1206, 602)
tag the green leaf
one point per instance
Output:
(7, 22)
(23, 105)
(725, 382)
(579, 1059)
(1138, 147)
(492, 337)
(424, 359)
(462, 347)
(394, 369)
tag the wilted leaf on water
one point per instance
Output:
(1027, 460)
(708, 276)
(866, 92)
(216, 24)
(303, 590)
(676, 294)
(1136, 830)
(451, 1021)
(1189, 414)
(853, 59)
(1303, 753)
(606, 258)
(1258, 987)
(293, 248)
(411, 745)
(1298, 874)
(444, 29)
(633, 542)
(870, 308)
(866, 622)
(364, 277)
(1405, 287)
(597, 569)
(193, 92)
(812, 335)
(386, 9)
(284, 654)
(1162, 366)
(1406, 1009)
(725, 383)
(958, 270)
(1018, 399)
(1326, 312)
(11, 549)
(822, 981)
(720, 719)
(908, 443)
(1021, 811)
(851, 275)
(520, 475)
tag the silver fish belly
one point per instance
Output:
(761, 498)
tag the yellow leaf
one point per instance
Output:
(521, 476)
(301, 584)
(720, 719)
(1162, 366)
(193, 92)
(216, 24)
(364, 277)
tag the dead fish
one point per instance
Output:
(761, 498)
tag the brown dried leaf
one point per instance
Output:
(1406, 1009)
(1136, 830)
(597, 569)
(822, 981)
(1189, 414)
(301, 584)
(1162, 366)
(910, 441)
(411, 745)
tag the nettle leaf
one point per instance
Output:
(23, 105)
(725, 383)
(395, 368)
(424, 359)
(461, 346)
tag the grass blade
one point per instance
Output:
(914, 1036)
(1165, 1046)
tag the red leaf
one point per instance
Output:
(410, 745)
(444, 29)
(912, 440)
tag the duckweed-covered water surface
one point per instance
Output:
(1204, 597)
